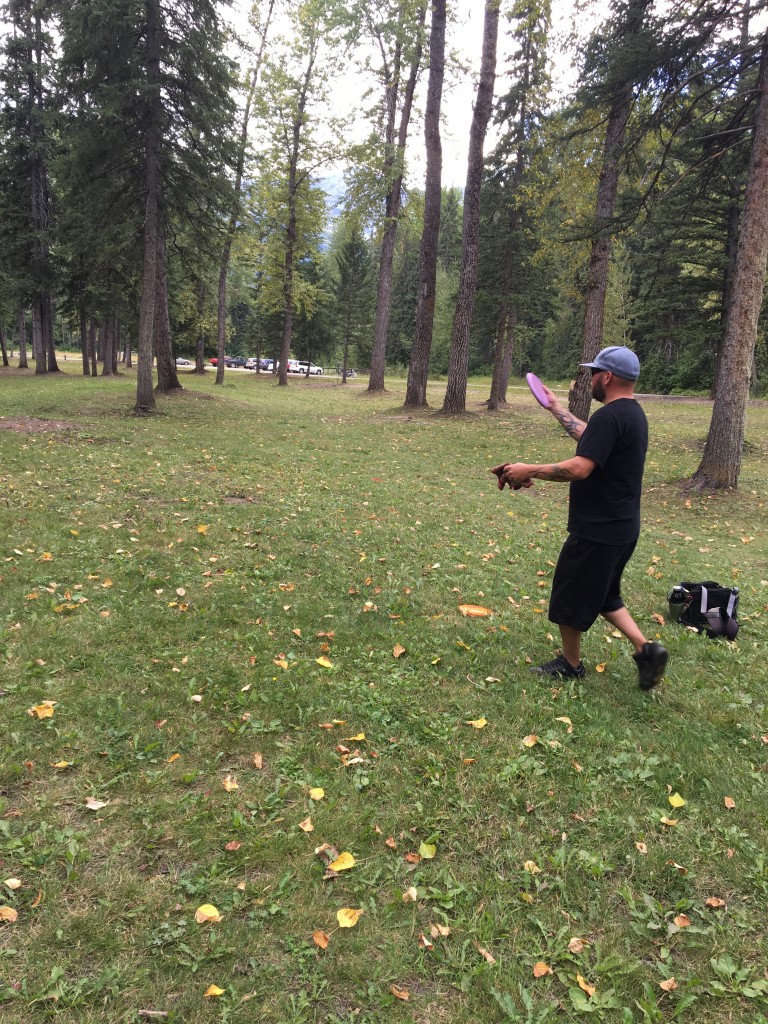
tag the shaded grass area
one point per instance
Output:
(172, 582)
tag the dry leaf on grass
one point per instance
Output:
(474, 611)
(207, 914)
(541, 969)
(400, 993)
(589, 989)
(348, 917)
(321, 939)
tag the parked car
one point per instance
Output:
(293, 366)
(235, 360)
(183, 362)
(314, 371)
(214, 361)
(251, 364)
(267, 364)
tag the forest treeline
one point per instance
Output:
(164, 191)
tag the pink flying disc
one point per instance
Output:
(537, 389)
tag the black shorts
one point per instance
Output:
(587, 581)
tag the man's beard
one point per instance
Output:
(598, 391)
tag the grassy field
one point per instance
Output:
(246, 612)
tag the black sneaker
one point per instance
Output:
(560, 666)
(651, 662)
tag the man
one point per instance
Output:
(605, 478)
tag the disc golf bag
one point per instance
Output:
(707, 607)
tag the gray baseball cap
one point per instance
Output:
(619, 360)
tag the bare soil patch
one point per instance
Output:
(34, 424)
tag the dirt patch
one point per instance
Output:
(238, 499)
(34, 425)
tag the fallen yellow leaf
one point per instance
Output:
(729, 802)
(207, 914)
(343, 862)
(427, 850)
(669, 985)
(258, 761)
(398, 650)
(306, 825)
(589, 989)
(12, 883)
(541, 969)
(642, 847)
(577, 945)
(321, 939)
(324, 662)
(348, 917)
(8, 914)
(601, 666)
(203, 529)
(676, 800)
(715, 902)
(669, 822)
(477, 723)
(682, 921)
(44, 710)
(213, 990)
(530, 741)
(316, 794)
(230, 784)
(172, 758)
(400, 993)
(356, 739)
(474, 611)
(532, 867)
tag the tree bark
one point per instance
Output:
(92, 349)
(394, 175)
(107, 344)
(167, 378)
(145, 395)
(3, 348)
(23, 364)
(418, 367)
(84, 337)
(721, 463)
(458, 361)
(200, 346)
(221, 347)
(597, 278)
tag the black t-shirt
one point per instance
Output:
(606, 506)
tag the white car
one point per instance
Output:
(183, 362)
(302, 365)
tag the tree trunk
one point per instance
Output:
(721, 463)
(127, 352)
(418, 367)
(597, 278)
(145, 395)
(107, 343)
(2, 346)
(84, 337)
(39, 348)
(458, 362)
(394, 176)
(200, 346)
(221, 319)
(92, 349)
(290, 242)
(167, 378)
(23, 365)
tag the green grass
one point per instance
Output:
(314, 522)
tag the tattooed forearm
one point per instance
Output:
(571, 424)
(555, 472)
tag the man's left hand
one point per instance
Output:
(515, 474)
